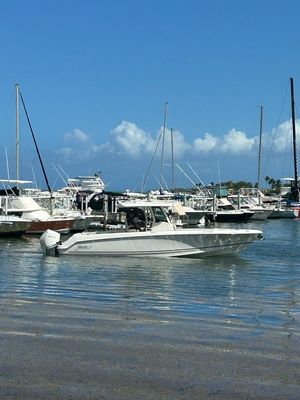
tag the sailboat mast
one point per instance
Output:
(17, 135)
(35, 143)
(260, 147)
(163, 147)
(172, 149)
(295, 189)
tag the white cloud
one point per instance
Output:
(205, 145)
(131, 139)
(77, 135)
(127, 139)
(129, 150)
(280, 138)
(180, 145)
(233, 142)
(80, 146)
(65, 151)
(236, 142)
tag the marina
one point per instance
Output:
(149, 200)
(137, 310)
(129, 328)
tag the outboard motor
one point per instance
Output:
(49, 241)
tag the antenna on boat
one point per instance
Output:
(34, 177)
(260, 147)
(163, 144)
(200, 180)
(60, 175)
(7, 166)
(35, 143)
(186, 175)
(172, 150)
(219, 175)
(17, 136)
(295, 192)
(152, 159)
(64, 173)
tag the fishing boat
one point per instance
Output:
(26, 208)
(148, 232)
(245, 203)
(226, 212)
(281, 211)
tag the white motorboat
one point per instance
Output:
(11, 225)
(285, 212)
(91, 183)
(246, 203)
(30, 210)
(149, 232)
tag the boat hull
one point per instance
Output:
(59, 225)
(9, 229)
(222, 216)
(261, 215)
(180, 243)
(284, 213)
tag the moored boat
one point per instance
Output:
(233, 215)
(285, 212)
(11, 225)
(149, 232)
(40, 220)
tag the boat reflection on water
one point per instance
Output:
(151, 284)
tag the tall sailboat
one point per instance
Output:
(14, 202)
(291, 207)
(294, 194)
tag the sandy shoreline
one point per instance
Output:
(70, 350)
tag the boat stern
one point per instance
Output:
(49, 241)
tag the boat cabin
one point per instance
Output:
(145, 216)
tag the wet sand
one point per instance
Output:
(70, 349)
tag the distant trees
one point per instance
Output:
(275, 185)
(230, 185)
(238, 185)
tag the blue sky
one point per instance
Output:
(95, 76)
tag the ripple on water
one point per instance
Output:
(255, 288)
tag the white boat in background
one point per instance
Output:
(226, 212)
(86, 183)
(242, 202)
(11, 225)
(148, 232)
(285, 212)
(28, 209)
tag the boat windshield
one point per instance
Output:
(159, 214)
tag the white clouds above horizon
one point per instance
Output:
(78, 135)
(129, 140)
(80, 146)
(280, 137)
(207, 144)
(232, 143)
(128, 137)
(236, 142)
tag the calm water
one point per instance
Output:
(217, 328)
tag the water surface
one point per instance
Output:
(132, 328)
